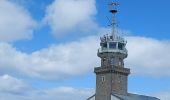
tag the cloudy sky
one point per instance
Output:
(48, 47)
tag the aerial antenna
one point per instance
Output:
(113, 11)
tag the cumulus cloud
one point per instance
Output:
(15, 22)
(74, 58)
(164, 95)
(148, 56)
(52, 94)
(66, 93)
(64, 16)
(12, 88)
(11, 85)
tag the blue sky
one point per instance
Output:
(49, 47)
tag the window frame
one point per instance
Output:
(121, 46)
(112, 45)
(103, 78)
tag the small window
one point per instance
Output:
(103, 78)
(104, 62)
(112, 45)
(120, 46)
(112, 61)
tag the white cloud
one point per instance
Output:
(64, 60)
(66, 93)
(148, 56)
(164, 95)
(12, 85)
(15, 22)
(52, 94)
(73, 58)
(64, 16)
(12, 88)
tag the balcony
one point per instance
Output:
(109, 50)
(125, 71)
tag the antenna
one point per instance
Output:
(113, 11)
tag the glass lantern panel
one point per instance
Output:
(105, 45)
(112, 45)
(120, 46)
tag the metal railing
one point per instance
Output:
(101, 50)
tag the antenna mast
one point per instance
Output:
(113, 11)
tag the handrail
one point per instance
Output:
(112, 50)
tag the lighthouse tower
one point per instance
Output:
(112, 76)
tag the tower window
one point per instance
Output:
(103, 78)
(112, 45)
(112, 61)
(104, 63)
(120, 46)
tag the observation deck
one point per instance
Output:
(125, 71)
(110, 50)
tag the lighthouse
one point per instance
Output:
(112, 75)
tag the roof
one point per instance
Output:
(130, 96)
(92, 97)
(134, 97)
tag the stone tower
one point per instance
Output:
(112, 76)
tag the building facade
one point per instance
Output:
(112, 75)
